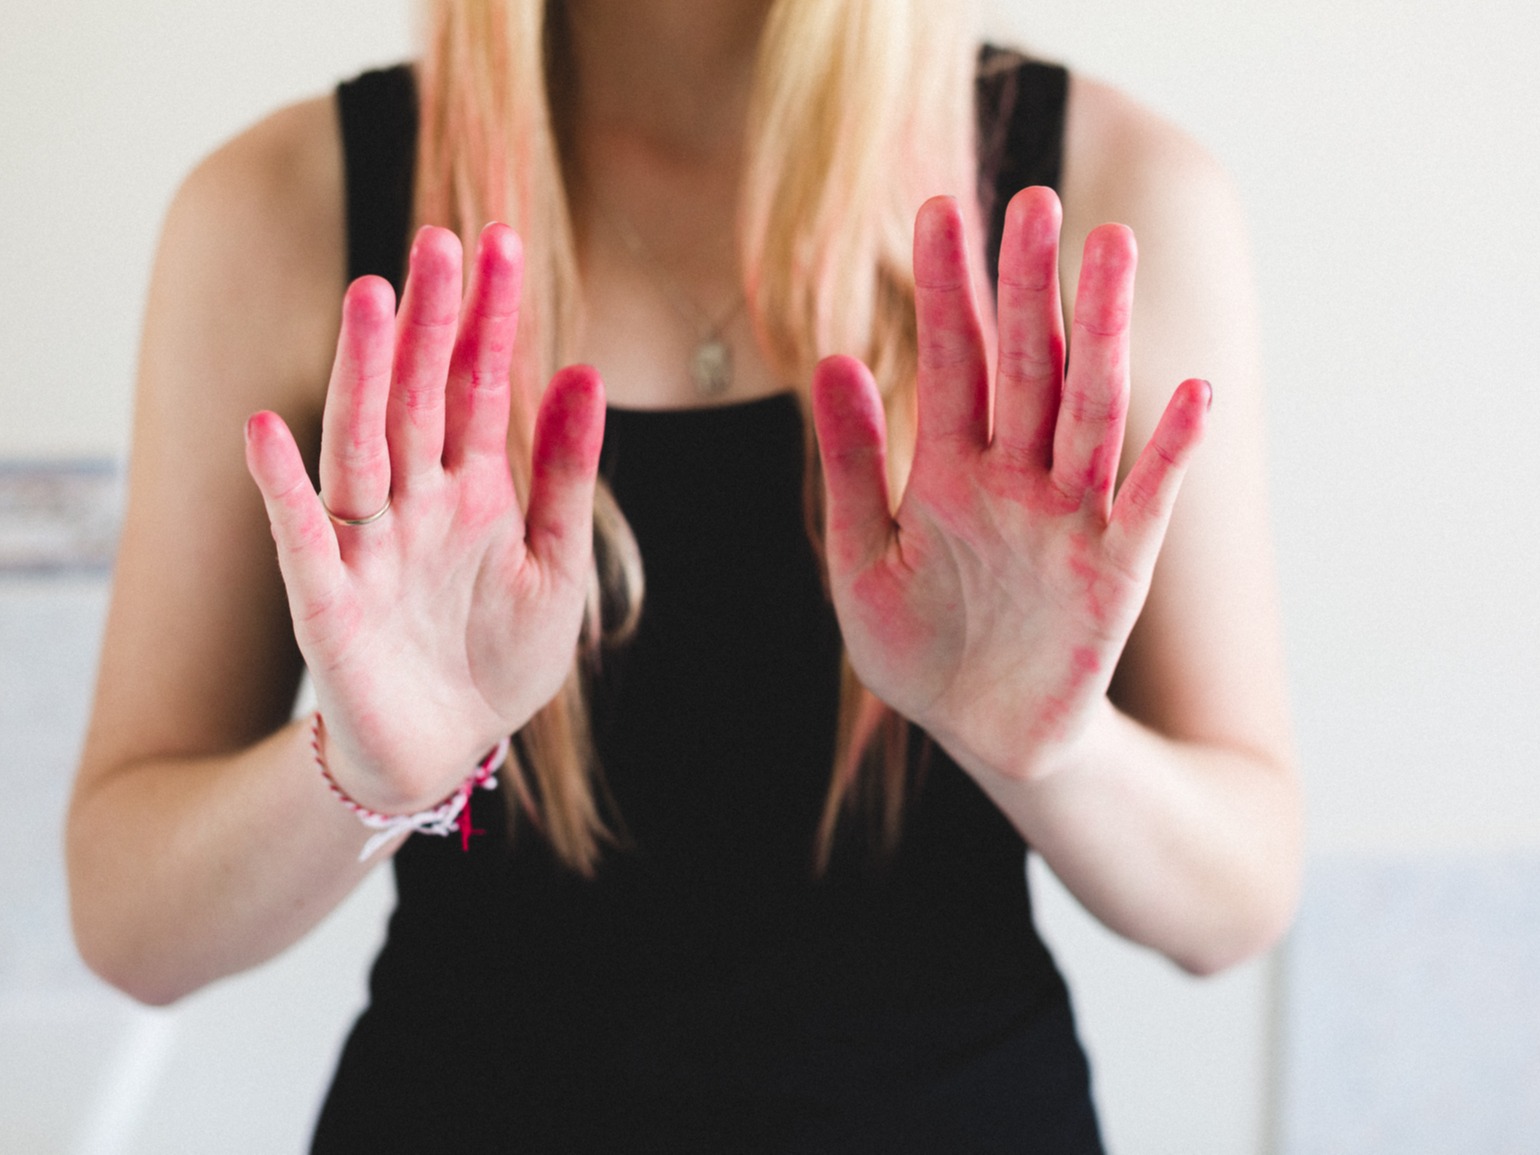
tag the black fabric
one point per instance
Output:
(707, 991)
(377, 116)
(1021, 134)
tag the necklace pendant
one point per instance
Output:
(712, 367)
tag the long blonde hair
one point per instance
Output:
(860, 109)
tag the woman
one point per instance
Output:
(753, 880)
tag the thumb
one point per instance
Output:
(852, 444)
(569, 432)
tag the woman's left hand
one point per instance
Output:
(992, 605)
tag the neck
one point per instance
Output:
(672, 75)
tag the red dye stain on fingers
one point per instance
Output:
(1144, 504)
(569, 431)
(570, 428)
(1104, 297)
(1090, 430)
(847, 413)
(954, 387)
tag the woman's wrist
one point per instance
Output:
(450, 814)
(988, 752)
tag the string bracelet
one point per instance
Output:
(454, 813)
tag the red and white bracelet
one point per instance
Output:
(448, 816)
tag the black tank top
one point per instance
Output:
(706, 991)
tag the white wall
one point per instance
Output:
(1389, 156)
(1389, 153)
(104, 106)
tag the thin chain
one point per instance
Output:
(711, 362)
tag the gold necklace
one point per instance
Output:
(711, 361)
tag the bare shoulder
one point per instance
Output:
(243, 312)
(1194, 308)
(256, 232)
(290, 160)
(1205, 660)
(1124, 162)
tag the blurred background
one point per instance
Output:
(1388, 154)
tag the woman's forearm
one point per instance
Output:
(183, 871)
(1192, 849)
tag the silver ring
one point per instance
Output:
(355, 521)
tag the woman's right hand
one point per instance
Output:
(442, 626)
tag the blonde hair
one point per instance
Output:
(860, 109)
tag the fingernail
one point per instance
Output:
(1208, 396)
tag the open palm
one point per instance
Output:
(445, 623)
(991, 606)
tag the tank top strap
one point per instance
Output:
(377, 115)
(1021, 104)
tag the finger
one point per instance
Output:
(425, 336)
(852, 444)
(569, 431)
(307, 547)
(953, 375)
(477, 396)
(355, 463)
(1031, 320)
(1089, 434)
(1144, 503)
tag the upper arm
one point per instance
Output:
(242, 315)
(1205, 661)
